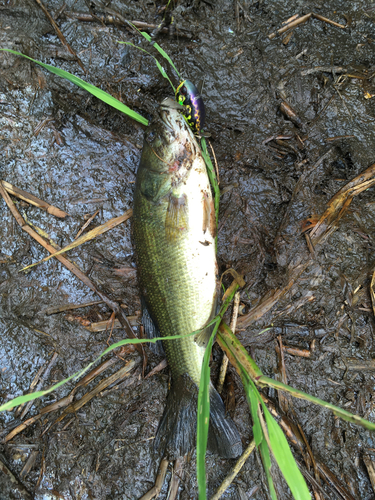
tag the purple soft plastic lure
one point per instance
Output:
(188, 96)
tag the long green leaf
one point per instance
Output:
(284, 458)
(203, 410)
(34, 395)
(266, 459)
(251, 394)
(254, 400)
(160, 67)
(157, 47)
(213, 180)
(248, 365)
(161, 51)
(100, 94)
(203, 419)
(212, 176)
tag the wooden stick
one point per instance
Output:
(296, 22)
(155, 490)
(59, 34)
(110, 224)
(233, 324)
(233, 473)
(114, 306)
(33, 200)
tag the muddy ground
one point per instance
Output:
(85, 157)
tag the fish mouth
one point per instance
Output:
(170, 114)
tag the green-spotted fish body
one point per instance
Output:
(174, 233)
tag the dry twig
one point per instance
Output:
(33, 200)
(233, 473)
(72, 268)
(233, 324)
(59, 34)
(155, 490)
(300, 20)
(107, 226)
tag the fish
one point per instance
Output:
(174, 229)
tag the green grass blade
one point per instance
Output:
(212, 176)
(100, 94)
(249, 367)
(339, 412)
(203, 418)
(266, 459)
(253, 400)
(203, 410)
(284, 458)
(161, 51)
(160, 67)
(213, 180)
(157, 47)
(35, 395)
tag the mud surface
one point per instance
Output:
(84, 158)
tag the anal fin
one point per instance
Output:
(151, 330)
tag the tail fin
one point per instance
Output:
(223, 436)
(176, 435)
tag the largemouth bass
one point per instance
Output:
(174, 231)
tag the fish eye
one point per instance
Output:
(183, 90)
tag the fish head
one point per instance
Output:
(169, 151)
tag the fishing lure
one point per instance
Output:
(188, 96)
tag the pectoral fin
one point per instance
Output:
(176, 221)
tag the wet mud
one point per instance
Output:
(67, 148)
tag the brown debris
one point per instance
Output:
(101, 326)
(355, 364)
(178, 469)
(114, 306)
(158, 368)
(123, 372)
(281, 375)
(235, 470)
(155, 490)
(29, 463)
(329, 477)
(107, 226)
(295, 351)
(372, 291)
(301, 20)
(16, 484)
(67, 401)
(233, 324)
(289, 112)
(370, 469)
(270, 299)
(114, 17)
(37, 384)
(68, 307)
(59, 34)
(292, 24)
(339, 204)
(33, 200)
(86, 224)
(22, 427)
